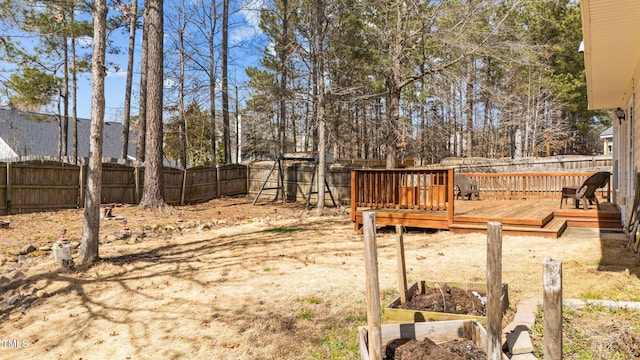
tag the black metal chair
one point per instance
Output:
(587, 191)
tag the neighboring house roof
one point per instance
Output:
(608, 133)
(32, 134)
(611, 29)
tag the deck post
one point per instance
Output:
(354, 195)
(451, 201)
(373, 287)
(552, 303)
(494, 290)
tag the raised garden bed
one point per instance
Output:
(462, 304)
(439, 332)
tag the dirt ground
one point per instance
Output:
(235, 281)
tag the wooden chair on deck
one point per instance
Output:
(465, 188)
(586, 191)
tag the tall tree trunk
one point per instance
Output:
(284, 58)
(322, 124)
(153, 195)
(65, 119)
(469, 106)
(91, 229)
(238, 130)
(225, 82)
(74, 91)
(212, 86)
(393, 111)
(141, 147)
(133, 16)
(59, 116)
(182, 120)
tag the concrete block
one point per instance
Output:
(519, 341)
(527, 356)
(528, 319)
(574, 303)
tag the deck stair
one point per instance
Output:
(531, 218)
(551, 229)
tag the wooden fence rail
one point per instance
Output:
(511, 186)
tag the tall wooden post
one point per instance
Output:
(373, 287)
(494, 290)
(552, 303)
(402, 270)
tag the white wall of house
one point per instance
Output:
(627, 150)
(6, 151)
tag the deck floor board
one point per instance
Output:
(523, 217)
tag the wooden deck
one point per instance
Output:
(518, 217)
(525, 203)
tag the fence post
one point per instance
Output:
(184, 186)
(373, 287)
(552, 303)
(136, 174)
(8, 190)
(247, 173)
(494, 290)
(218, 180)
(82, 188)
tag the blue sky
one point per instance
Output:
(244, 28)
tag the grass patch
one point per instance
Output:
(281, 230)
(268, 269)
(305, 314)
(592, 296)
(593, 333)
(310, 300)
(340, 348)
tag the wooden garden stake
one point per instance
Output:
(373, 287)
(494, 290)
(552, 303)
(402, 270)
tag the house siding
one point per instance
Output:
(627, 151)
(5, 150)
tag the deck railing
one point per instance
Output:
(412, 189)
(511, 186)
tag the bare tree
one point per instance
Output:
(318, 43)
(153, 194)
(132, 13)
(226, 134)
(91, 229)
(142, 109)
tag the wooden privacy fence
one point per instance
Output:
(511, 186)
(413, 189)
(45, 185)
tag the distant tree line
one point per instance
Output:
(381, 79)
